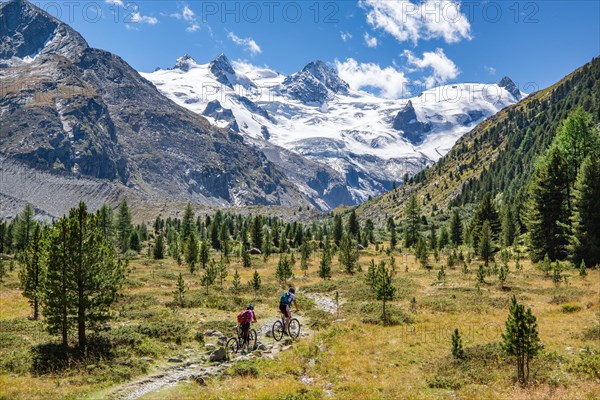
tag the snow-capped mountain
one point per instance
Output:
(367, 141)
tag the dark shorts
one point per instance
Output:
(245, 327)
(285, 310)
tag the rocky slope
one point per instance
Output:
(70, 109)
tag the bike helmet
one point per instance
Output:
(292, 290)
(250, 307)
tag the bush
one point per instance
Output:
(570, 308)
(588, 363)
(245, 369)
(166, 328)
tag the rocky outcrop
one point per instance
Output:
(315, 84)
(511, 87)
(407, 122)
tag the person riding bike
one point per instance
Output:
(245, 318)
(286, 299)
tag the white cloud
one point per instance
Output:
(249, 43)
(193, 27)
(118, 3)
(138, 18)
(443, 69)
(408, 21)
(489, 70)
(371, 41)
(390, 82)
(345, 36)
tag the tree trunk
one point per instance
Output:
(36, 308)
(384, 314)
(81, 321)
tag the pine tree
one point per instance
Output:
(485, 212)
(412, 222)
(546, 266)
(192, 253)
(338, 229)
(422, 253)
(384, 289)
(325, 264)
(283, 271)
(255, 283)
(223, 273)
(203, 252)
(441, 274)
(180, 290)
(106, 221)
(124, 227)
(187, 223)
(444, 238)
(348, 255)
(485, 243)
(582, 269)
(257, 232)
(24, 227)
(546, 210)
(521, 339)
(456, 229)
(304, 255)
(134, 241)
(32, 273)
(508, 227)
(82, 275)
(158, 251)
(393, 238)
(353, 225)
(481, 275)
(585, 241)
(246, 260)
(2, 270)
(502, 275)
(236, 283)
(457, 348)
(371, 276)
(432, 237)
(210, 275)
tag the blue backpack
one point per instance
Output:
(286, 298)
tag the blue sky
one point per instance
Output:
(377, 45)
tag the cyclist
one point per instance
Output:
(286, 299)
(245, 318)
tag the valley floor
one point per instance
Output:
(348, 354)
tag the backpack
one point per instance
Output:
(286, 298)
(244, 317)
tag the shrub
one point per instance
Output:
(165, 328)
(244, 368)
(570, 308)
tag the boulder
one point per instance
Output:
(254, 251)
(218, 355)
(175, 360)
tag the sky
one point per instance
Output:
(388, 47)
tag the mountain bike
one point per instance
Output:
(278, 329)
(235, 344)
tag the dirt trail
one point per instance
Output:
(201, 369)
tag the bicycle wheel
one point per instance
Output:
(277, 330)
(252, 339)
(294, 328)
(232, 347)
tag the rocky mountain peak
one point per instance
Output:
(316, 83)
(27, 32)
(511, 87)
(406, 121)
(185, 62)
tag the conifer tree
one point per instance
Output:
(338, 229)
(246, 260)
(384, 289)
(192, 252)
(236, 283)
(485, 212)
(348, 255)
(485, 243)
(180, 290)
(412, 222)
(187, 223)
(33, 272)
(353, 225)
(502, 275)
(508, 226)
(158, 251)
(456, 229)
(255, 283)
(257, 232)
(223, 273)
(82, 275)
(325, 264)
(547, 214)
(457, 348)
(371, 276)
(203, 252)
(520, 339)
(124, 227)
(393, 238)
(585, 241)
(210, 275)
(283, 271)
(106, 222)
(304, 255)
(582, 269)
(422, 253)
